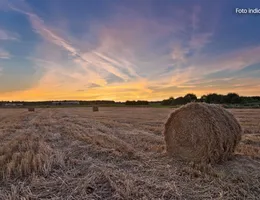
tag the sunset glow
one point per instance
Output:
(127, 50)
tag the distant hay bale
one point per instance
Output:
(95, 109)
(201, 132)
(31, 109)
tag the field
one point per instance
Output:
(116, 153)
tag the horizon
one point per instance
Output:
(127, 50)
(159, 100)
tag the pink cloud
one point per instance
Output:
(179, 54)
(198, 41)
(135, 31)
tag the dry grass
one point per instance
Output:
(117, 153)
(249, 150)
(105, 141)
(24, 155)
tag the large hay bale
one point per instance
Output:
(95, 109)
(31, 109)
(201, 132)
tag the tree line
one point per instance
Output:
(132, 103)
(230, 98)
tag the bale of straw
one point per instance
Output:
(31, 109)
(95, 109)
(201, 132)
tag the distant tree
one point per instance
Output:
(214, 98)
(167, 102)
(190, 97)
(164, 102)
(131, 103)
(256, 98)
(203, 98)
(142, 103)
(171, 101)
(232, 98)
(180, 101)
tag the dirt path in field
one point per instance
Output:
(119, 153)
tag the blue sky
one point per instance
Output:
(118, 49)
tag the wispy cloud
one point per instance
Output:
(195, 17)
(89, 60)
(7, 35)
(199, 41)
(44, 31)
(179, 54)
(233, 60)
(4, 54)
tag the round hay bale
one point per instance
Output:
(31, 109)
(95, 109)
(201, 132)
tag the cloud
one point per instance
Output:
(7, 35)
(4, 54)
(198, 41)
(64, 76)
(194, 74)
(195, 17)
(143, 44)
(45, 32)
(92, 85)
(191, 42)
(179, 54)
(233, 60)
(86, 60)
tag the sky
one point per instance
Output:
(127, 49)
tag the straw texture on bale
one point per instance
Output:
(201, 132)
(31, 109)
(95, 108)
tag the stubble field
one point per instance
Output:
(116, 153)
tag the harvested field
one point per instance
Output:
(116, 153)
